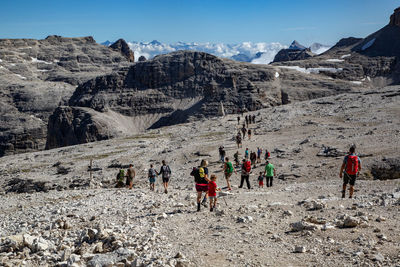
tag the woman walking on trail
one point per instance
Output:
(201, 179)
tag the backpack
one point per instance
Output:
(267, 155)
(121, 174)
(152, 173)
(166, 171)
(247, 166)
(198, 174)
(352, 165)
(229, 168)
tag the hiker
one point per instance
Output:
(201, 179)
(246, 118)
(254, 118)
(236, 156)
(228, 170)
(261, 180)
(244, 130)
(267, 155)
(239, 140)
(238, 119)
(269, 173)
(212, 191)
(120, 179)
(152, 177)
(165, 172)
(259, 152)
(222, 153)
(249, 133)
(351, 167)
(246, 153)
(253, 158)
(246, 168)
(130, 175)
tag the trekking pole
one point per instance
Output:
(90, 168)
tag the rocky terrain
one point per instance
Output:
(56, 212)
(295, 51)
(176, 88)
(36, 75)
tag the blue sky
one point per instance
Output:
(213, 21)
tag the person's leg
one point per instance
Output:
(241, 181)
(345, 182)
(198, 200)
(271, 179)
(248, 181)
(352, 183)
(351, 190)
(130, 184)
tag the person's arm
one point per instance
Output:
(134, 173)
(359, 164)
(274, 172)
(341, 170)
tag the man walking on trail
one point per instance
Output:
(236, 156)
(253, 118)
(238, 119)
(246, 168)
(249, 133)
(239, 140)
(228, 170)
(130, 175)
(165, 172)
(246, 118)
(269, 173)
(222, 153)
(244, 130)
(259, 152)
(351, 166)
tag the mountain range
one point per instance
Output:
(257, 53)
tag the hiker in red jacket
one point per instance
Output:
(351, 167)
(246, 168)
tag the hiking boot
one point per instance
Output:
(211, 209)
(350, 196)
(198, 206)
(343, 194)
(166, 191)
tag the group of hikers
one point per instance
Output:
(205, 184)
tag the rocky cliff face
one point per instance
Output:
(395, 18)
(122, 47)
(36, 75)
(176, 88)
(293, 54)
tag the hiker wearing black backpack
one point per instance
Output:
(152, 177)
(246, 169)
(244, 131)
(165, 172)
(228, 171)
(239, 140)
(201, 180)
(351, 166)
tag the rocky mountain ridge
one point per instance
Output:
(36, 75)
(175, 88)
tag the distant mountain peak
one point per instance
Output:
(296, 46)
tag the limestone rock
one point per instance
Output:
(122, 47)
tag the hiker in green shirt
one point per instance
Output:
(269, 173)
(228, 170)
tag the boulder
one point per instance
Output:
(386, 169)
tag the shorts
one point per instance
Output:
(152, 180)
(260, 182)
(228, 175)
(129, 180)
(212, 197)
(349, 179)
(202, 187)
(165, 179)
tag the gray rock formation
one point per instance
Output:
(142, 58)
(122, 47)
(36, 75)
(176, 88)
(293, 54)
(395, 18)
(387, 169)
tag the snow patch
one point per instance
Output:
(368, 45)
(20, 76)
(312, 70)
(344, 56)
(276, 75)
(356, 82)
(35, 60)
(334, 60)
(1, 60)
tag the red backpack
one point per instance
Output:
(352, 165)
(247, 166)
